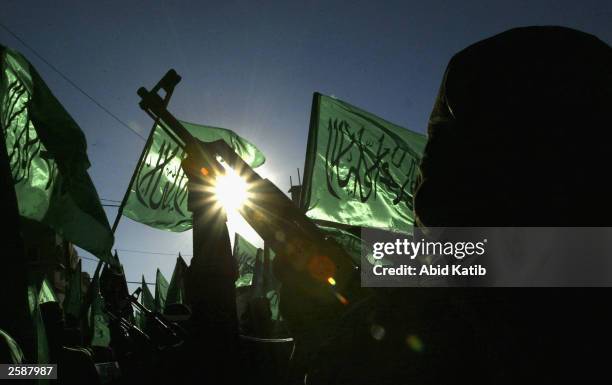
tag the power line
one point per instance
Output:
(134, 282)
(152, 252)
(110, 200)
(138, 252)
(72, 83)
(95, 260)
(105, 205)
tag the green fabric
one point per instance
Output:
(101, 332)
(46, 294)
(360, 169)
(158, 195)
(41, 348)
(245, 254)
(15, 352)
(274, 298)
(257, 284)
(146, 298)
(161, 292)
(347, 240)
(352, 245)
(176, 289)
(272, 285)
(98, 319)
(253, 273)
(48, 159)
(138, 320)
(73, 301)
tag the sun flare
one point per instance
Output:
(231, 190)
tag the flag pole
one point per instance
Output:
(134, 174)
(145, 149)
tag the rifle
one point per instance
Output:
(316, 269)
(170, 334)
(174, 335)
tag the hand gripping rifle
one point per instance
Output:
(316, 269)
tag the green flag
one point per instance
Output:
(258, 282)
(272, 285)
(101, 332)
(161, 292)
(46, 294)
(245, 254)
(176, 289)
(48, 158)
(72, 301)
(352, 244)
(360, 169)
(14, 350)
(146, 298)
(158, 194)
(138, 320)
(41, 347)
(98, 331)
(347, 240)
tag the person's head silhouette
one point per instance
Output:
(520, 133)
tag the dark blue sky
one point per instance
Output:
(252, 66)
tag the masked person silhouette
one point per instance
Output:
(519, 138)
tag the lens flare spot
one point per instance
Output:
(231, 190)
(321, 268)
(341, 298)
(415, 343)
(331, 281)
(377, 332)
(280, 236)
